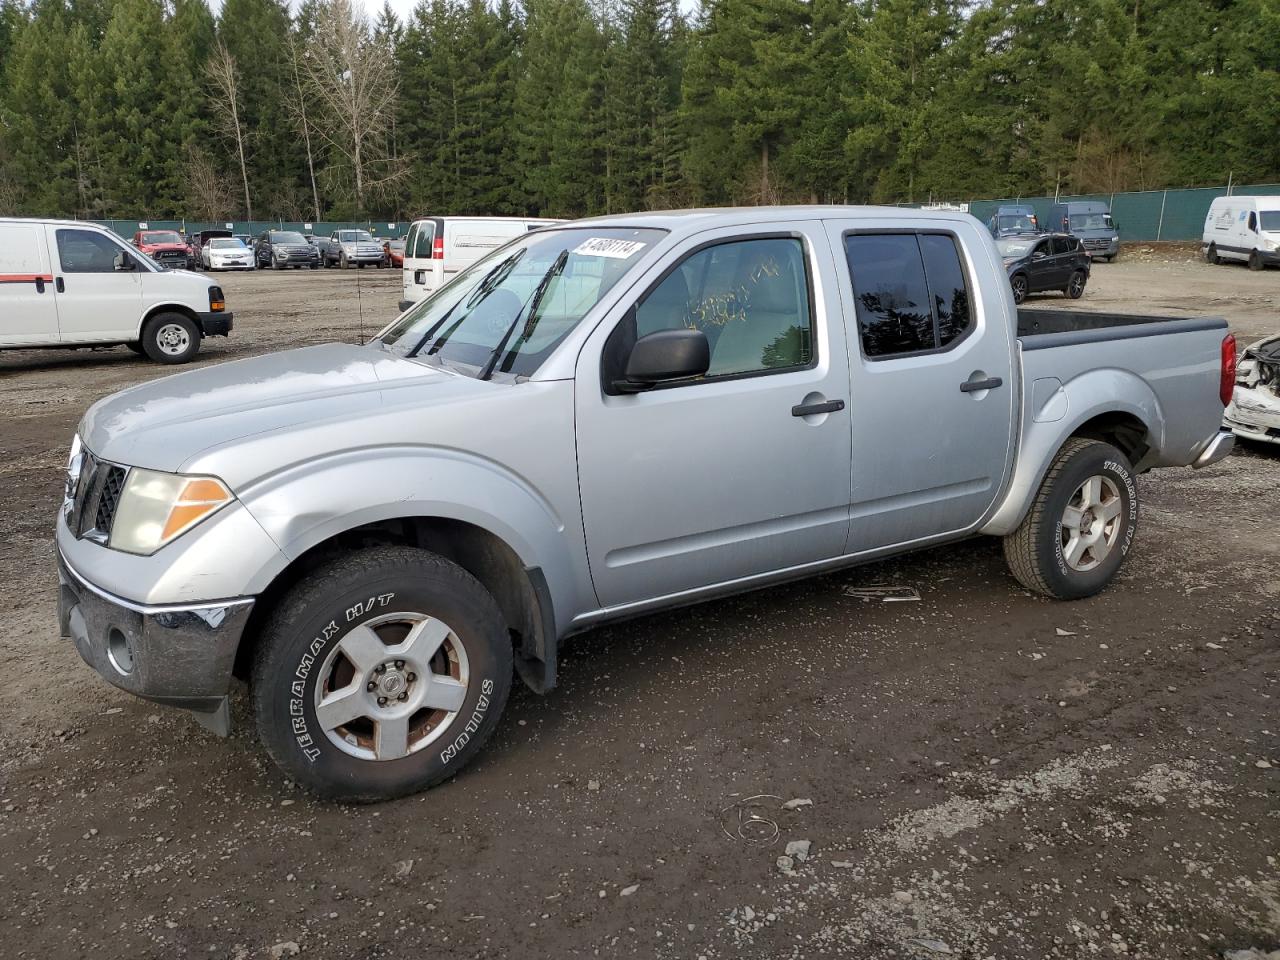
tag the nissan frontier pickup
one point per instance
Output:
(598, 420)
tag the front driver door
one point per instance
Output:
(725, 477)
(96, 301)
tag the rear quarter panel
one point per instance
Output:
(1167, 378)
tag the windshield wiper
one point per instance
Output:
(532, 308)
(482, 290)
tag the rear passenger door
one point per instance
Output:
(932, 388)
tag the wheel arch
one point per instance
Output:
(520, 591)
(159, 308)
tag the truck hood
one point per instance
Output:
(165, 423)
(158, 247)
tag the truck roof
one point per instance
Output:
(688, 221)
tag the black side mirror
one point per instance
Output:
(124, 263)
(663, 357)
(1037, 255)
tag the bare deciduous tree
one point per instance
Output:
(221, 70)
(353, 78)
(296, 101)
(210, 192)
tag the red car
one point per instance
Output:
(166, 247)
(394, 252)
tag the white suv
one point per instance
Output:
(67, 283)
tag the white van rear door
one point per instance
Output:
(28, 310)
(418, 274)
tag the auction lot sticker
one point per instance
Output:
(604, 247)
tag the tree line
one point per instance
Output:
(157, 108)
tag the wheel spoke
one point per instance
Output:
(1074, 549)
(1071, 517)
(363, 648)
(444, 693)
(1108, 510)
(424, 640)
(393, 737)
(342, 706)
(1091, 491)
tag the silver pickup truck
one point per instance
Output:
(595, 421)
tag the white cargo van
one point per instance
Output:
(436, 248)
(1243, 228)
(66, 283)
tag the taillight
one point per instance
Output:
(437, 248)
(1227, 381)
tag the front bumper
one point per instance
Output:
(1253, 414)
(180, 654)
(216, 324)
(406, 304)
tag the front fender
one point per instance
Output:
(307, 504)
(1092, 394)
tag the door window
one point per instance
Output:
(1253, 222)
(909, 292)
(1061, 245)
(86, 251)
(750, 298)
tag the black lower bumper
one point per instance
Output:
(215, 324)
(406, 304)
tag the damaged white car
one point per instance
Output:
(1254, 411)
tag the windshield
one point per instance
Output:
(225, 243)
(1017, 223)
(547, 281)
(1091, 221)
(351, 236)
(287, 236)
(1013, 249)
(396, 244)
(1269, 220)
(163, 236)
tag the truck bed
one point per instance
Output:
(1039, 329)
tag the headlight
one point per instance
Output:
(156, 508)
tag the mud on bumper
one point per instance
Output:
(180, 655)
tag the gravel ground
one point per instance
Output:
(990, 774)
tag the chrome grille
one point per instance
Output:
(1097, 244)
(92, 510)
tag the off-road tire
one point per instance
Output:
(315, 616)
(156, 329)
(1034, 551)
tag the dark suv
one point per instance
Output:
(1045, 261)
(284, 248)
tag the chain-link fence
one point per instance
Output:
(1142, 215)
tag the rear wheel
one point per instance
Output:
(381, 674)
(1255, 261)
(342, 261)
(1075, 286)
(170, 338)
(136, 347)
(1081, 523)
(1211, 254)
(1019, 283)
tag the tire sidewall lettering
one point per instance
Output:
(1121, 472)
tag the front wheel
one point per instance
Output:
(1081, 523)
(381, 674)
(1255, 261)
(1075, 286)
(342, 261)
(170, 338)
(1019, 283)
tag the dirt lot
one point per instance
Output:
(991, 774)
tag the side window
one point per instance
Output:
(750, 298)
(909, 292)
(85, 251)
(1253, 222)
(943, 270)
(1061, 245)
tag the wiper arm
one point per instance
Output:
(531, 307)
(482, 290)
